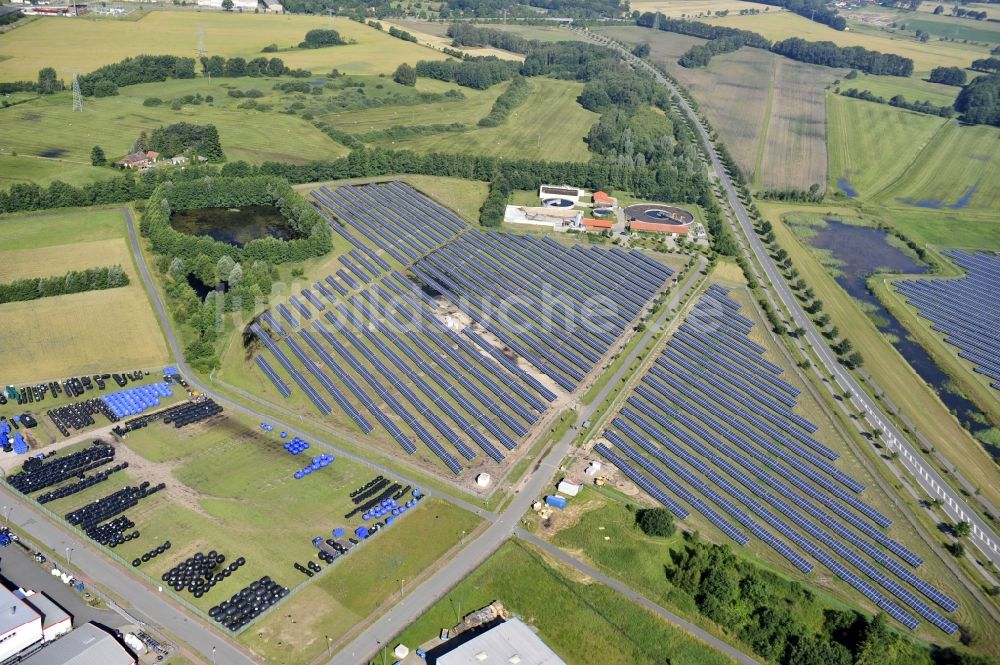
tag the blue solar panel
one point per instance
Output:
(273, 376)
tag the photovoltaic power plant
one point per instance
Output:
(710, 429)
(966, 311)
(464, 345)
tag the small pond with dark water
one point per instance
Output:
(861, 251)
(235, 226)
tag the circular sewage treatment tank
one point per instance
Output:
(602, 212)
(557, 203)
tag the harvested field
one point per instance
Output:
(60, 259)
(768, 110)
(437, 40)
(91, 44)
(794, 154)
(64, 335)
(926, 56)
(872, 144)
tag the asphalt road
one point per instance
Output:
(367, 644)
(925, 474)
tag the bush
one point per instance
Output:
(152, 101)
(656, 522)
(319, 38)
(270, 48)
(105, 88)
(405, 75)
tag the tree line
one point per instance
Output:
(765, 612)
(816, 53)
(979, 101)
(700, 55)
(220, 67)
(182, 137)
(515, 95)
(478, 73)
(75, 281)
(899, 101)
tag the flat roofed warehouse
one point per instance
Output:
(511, 642)
(87, 645)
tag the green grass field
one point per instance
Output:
(913, 89)
(550, 125)
(959, 167)
(65, 335)
(43, 171)
(48, 125)
(947, 228)
(91, 43)
(925, 56)
(870, 144)
(943, 26)
(583, 622)
(365, 583)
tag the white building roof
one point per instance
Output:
(509, 643)
(51, 613)
(87, 645)
(14, 613)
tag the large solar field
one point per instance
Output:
(464, 346)
(711, 428)
(966, 311)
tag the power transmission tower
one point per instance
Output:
(77, 97)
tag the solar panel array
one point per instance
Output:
(400, 354)
(715, 431)
(966, 310)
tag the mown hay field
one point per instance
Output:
(913, 89)
(65, 335)
(90, 43)
(694, 8)
(925, 56)
(794, 153)
(768, 110)
(550, 125)
(957, 170)
(872, 144)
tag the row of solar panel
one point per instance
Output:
(674, 373)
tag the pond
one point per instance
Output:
(861, 251)
(234, 226)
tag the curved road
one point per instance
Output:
(925, 475)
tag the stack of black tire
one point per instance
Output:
(199, 573)
(37, 474)
(112, 534)
(248, 604)
(191, 413)
(90, 481)
(151, 554)
(309, 569)
(106, 507)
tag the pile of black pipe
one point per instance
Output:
(106, 507)
(248, 603)
(90, 481)
(38, 474)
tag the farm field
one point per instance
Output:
(436, 39)
(539, 32)
(913, 89)
(49, 127)
(872, 144)
(768, 110)
(593, 623)
(550, 125)
(89, 44)
(957, 169)
(938, 26)
(43, 171)
(475, 105)
(365, 583)
(925, 56)
(894, 375)
(694, 8)
(948, 228)
(63, 335)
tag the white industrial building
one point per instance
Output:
(564, 192)
(20, 624)
(509, 643)
(87, 645)
(55, 620)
